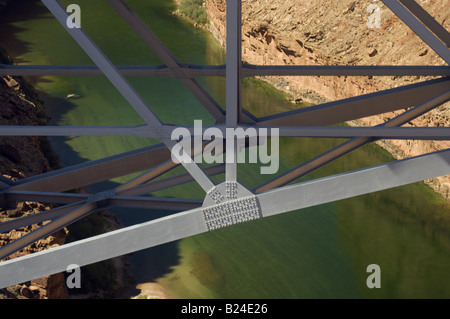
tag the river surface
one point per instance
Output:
(319, 252)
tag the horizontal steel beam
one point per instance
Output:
(289, 131)
(189, 71)
(5, 182)
(248, 70)
(102, 247)
(45, 197)
(169, 182)
(38, 217)
(360, 106)
(48, 229)
(148, 176)
(189, 223)
(159, 170)
(272, 202)
(355, 183)
(343, 70)
(120, 199)
(143, 130)
(126, 200)
(95, 171)
(170, 204)
(351, 145)
(68, 215)
(392, 133)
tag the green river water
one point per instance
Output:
(320, 252)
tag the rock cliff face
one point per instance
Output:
(21, 157)
(323, 32)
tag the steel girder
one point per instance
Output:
(229, 202)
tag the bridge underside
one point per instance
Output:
(228, 202)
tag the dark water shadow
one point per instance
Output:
(17, 11)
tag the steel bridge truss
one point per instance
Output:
(229, 202)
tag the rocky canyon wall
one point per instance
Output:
(323, 32)
(21, 157)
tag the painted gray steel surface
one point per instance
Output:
(228, 202)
